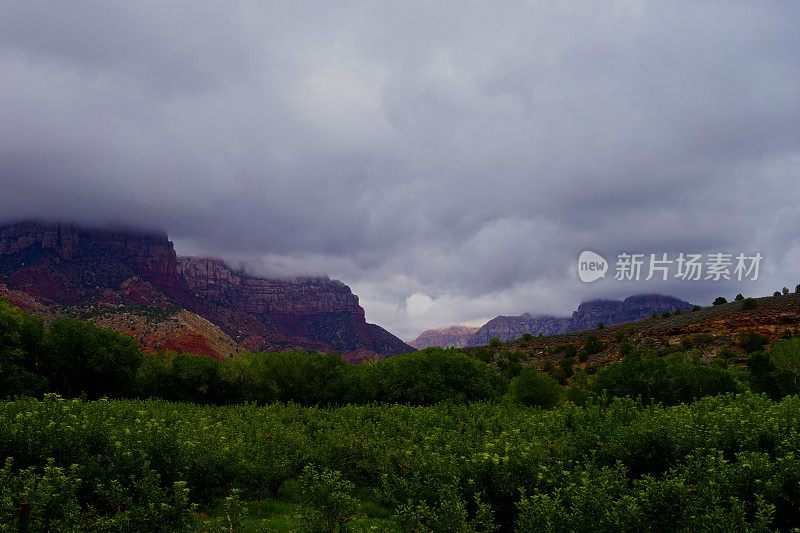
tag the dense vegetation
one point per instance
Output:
(724, 463)
(437, 440)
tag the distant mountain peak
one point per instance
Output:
(455, 336)
(588, 316)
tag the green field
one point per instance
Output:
(723, 463)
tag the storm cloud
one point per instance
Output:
(448, 160)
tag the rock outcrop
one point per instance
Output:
(588, 316)
(67, 265)
(455, 336)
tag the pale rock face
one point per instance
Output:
(455, 336)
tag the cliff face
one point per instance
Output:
(61, 264)
(588, 316)
(213, 281)
(455, 336)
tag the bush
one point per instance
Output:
(494, 342)
(785, 291)
(659, 380)
(751, 341)
(430, 376)
(739, 297)
(797, 289)
(593, 345)
(776, 294)
(327, 500)
(534, 389)
(749, 304)
(720, 300)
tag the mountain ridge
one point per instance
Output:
(588, 316)
(69, 265)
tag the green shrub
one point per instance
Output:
(430, 376)
(593, 345)
(327, 499)
(720, 300)
(749, 304)
(668, 381)
(751, 341)
(534, 389)
(739, 297)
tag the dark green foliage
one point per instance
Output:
(534, 389)
(749, 304)
(425, 377)
(509, 363)
(776, 373)
(725, 463)
(593, 345)
(797, 289)
(84, 359)
(430, 376)
(785, 291)
(527, 337)
(71, 356)
(696, 308)
(752, 342)
(327, 499)
(720, 300)
(20, 353)
(776, 294)
(665, 380)
(494, 342)
(739, 297)
(567, 350)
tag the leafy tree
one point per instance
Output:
(432, 375)
(662, 380)
(797, 289)
(739, 297)
(534, 389)
(785, 291)
(20, 352)
(720, 300)
(83, 358)
(328, 500)
(776, 293)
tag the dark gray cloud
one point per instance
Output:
(449, 160)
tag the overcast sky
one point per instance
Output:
(447, 159)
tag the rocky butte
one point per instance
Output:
(60, 265)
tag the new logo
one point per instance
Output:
(591, 266)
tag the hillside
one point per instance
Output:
(715, 331)
(53, 269)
